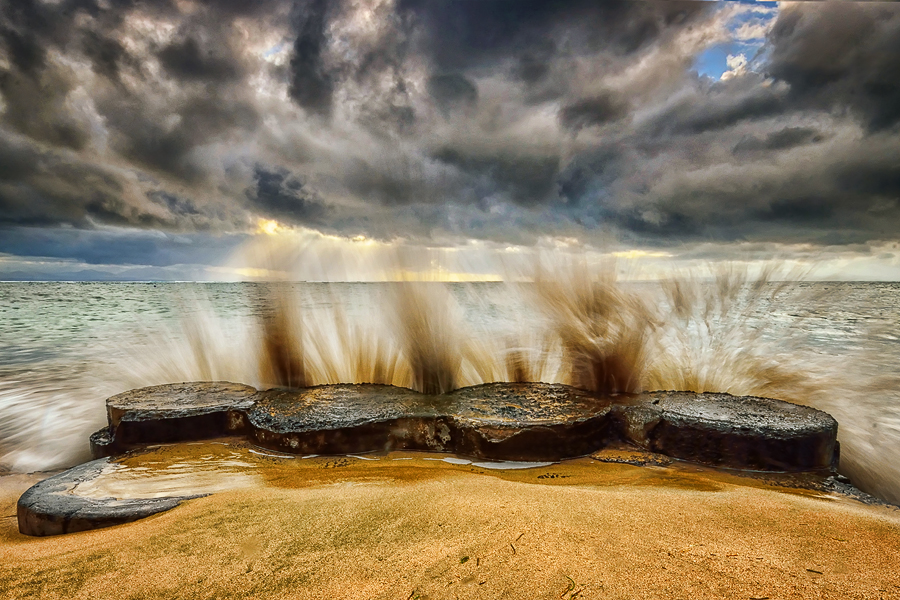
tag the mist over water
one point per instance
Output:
(64, 348)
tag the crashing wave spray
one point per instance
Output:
(566, 320)
(603, 329)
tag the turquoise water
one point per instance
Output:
(65, 347)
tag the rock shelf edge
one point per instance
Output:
(497, 421)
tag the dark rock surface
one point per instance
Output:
(529, 421)
(501, 421)
(173, 413)
(102, 443)
(497, 421)
(526, 421)
(741, 432)
(340, 419)
(50, 507)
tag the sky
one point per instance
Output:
(178, 139)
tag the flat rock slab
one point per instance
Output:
(341, 419)
(172, 413)
(340, 406)
(742, 432)
(501, 421)
(498, 421)
(494, 421)
(529, 421)
(51, 508)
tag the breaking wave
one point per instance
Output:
(560, 320)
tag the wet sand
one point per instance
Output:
(406, 527)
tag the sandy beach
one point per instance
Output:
(409, 526)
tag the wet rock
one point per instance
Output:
(742, 432)
(346, 418)
(174, 412)
(103, 443)
(631, 456)
(51, 508)
(529, 421)
(526, 421)
(498, 421)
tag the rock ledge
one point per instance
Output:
(497, 421)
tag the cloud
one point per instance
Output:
(452, 90)
(737, 66)
(841, 55)
(280, 194)
(119, 246)
(312, 84)
(710, 106)
(783, 139)
(444, 121)
(188, 61)
(107, 55)
(597, 110)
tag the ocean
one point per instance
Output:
(66, 347)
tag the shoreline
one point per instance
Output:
(403, 526)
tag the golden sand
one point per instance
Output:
(416, 528)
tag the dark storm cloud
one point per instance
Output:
(841, 55)
(35, 95)
(331, 55)
(768, 157)
(448, 119)
(176, 204)
(451, 90)
(35, 91)
(591, 171)
(162, 139)
(524, 179)
(25, 50)
(35, 106)
(118, 247)
(532, 67)
(391, 182)
(188, 60)
(799, 210)
(281, 195)
(876, 176)
(38, 26)
(463, 35)
(51, 173)
(829, 192)
(312, 84)
(240, 8)
(40, 187)
(459, 37)
(783, 139)
(107, 55)
(721, 104)
(652, 183)
(597, 110)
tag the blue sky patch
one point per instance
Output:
(747, 29)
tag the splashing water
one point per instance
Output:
(567, 322)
